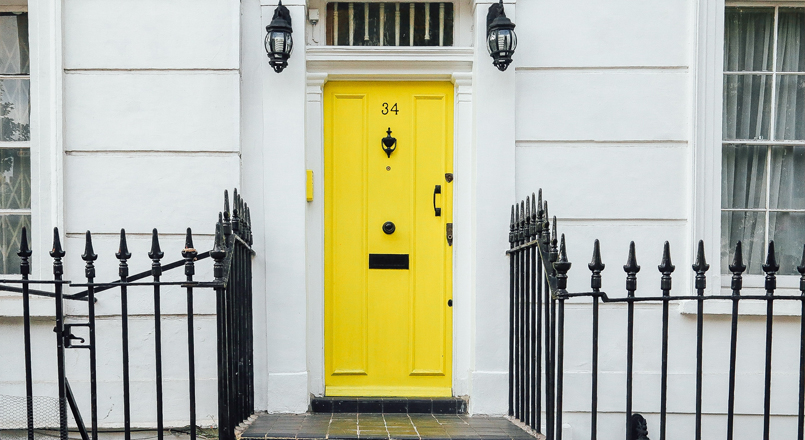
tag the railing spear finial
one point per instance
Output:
(249, 223)
(89, 256)
(540, 214)
(522, 232)
(218, 252)
(596, 266)
(562, 265)
(528, 227)
(24, 252)
(226, 224)
(737, 268)
(89, 251)
(57, 253)
(546, 225)
(155, 254)
(666, 268)
(701, 267)
(554, 254)
(189, 253)
(237, 212)
(123, 254)
(511, 228)
(631, 268)
(770, 268)
(123, 248)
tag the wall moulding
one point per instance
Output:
(389, 63)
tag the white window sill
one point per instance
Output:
(11, 306)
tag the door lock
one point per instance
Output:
(389, 228)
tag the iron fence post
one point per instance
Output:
(25, 269)
(57, 253)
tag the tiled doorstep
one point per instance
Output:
(383, 426)
(389, 405)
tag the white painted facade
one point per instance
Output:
(144, 111)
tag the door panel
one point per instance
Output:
(388, 332)
(348, 179)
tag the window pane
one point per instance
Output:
(787, 189)
(787, 229)
(15, 110)
(747, 107)
(790, 40)
(748, 39)
(750, 229)
(743, 176)
(10, 227)
(14, 43)
(15, 178)
(790, 107)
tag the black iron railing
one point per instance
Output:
(538, 292)
(232, 255)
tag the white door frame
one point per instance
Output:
(392, 64)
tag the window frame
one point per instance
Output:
(13, 145)
(707, 161)
(46, 144)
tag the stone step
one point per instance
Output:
(395, 405)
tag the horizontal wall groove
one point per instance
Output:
(582, 142)
(600, 68)
(151, 153)
(137, 234)
(165, 70)
(140, 316)
(599, 220)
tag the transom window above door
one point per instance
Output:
(389, 24)
(763, 148)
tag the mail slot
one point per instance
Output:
(388, 261)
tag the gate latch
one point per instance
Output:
(449, 233)
(69, 337)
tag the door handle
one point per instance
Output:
(437, 190)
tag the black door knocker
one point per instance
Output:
(389, 143)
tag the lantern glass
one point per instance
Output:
(501, 41)
(279, 43)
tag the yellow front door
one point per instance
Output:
(388, 265)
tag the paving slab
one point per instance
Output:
(379, 426)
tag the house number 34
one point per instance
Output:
(386, 108)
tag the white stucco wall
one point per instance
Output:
(148, 136)
(611, 104)
(152, 108)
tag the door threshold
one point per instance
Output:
(390, 405)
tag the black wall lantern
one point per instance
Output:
(500, 37)
(279, 42)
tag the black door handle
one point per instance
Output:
(437, 190)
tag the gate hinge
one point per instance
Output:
(449, 233)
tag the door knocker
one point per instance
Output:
(389, 143)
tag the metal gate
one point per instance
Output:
(232, 275)
(538, 294)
